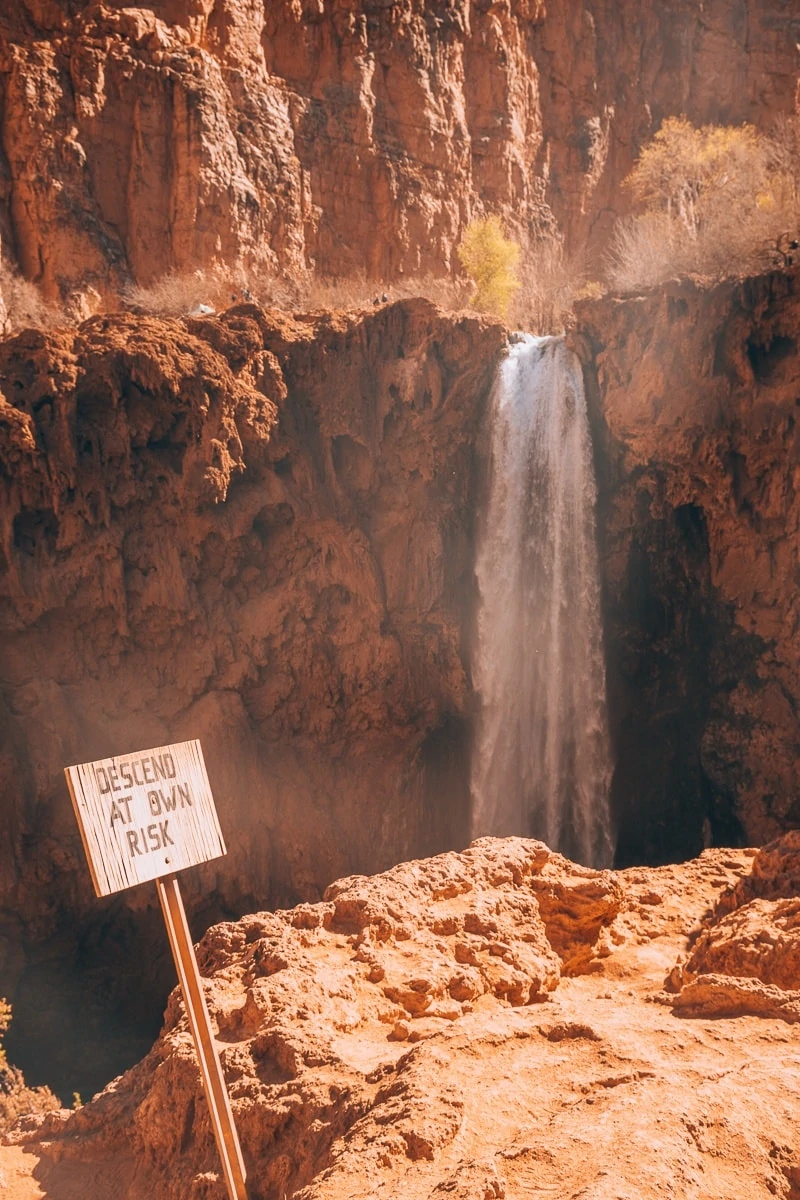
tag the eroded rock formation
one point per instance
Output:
(256, 531)
(346, 136)
(695, 395)
(432, 1033)
(747, 958)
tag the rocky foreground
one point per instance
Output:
(496, 1023)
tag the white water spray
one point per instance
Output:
(542, 762)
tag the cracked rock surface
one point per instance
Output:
(432, 1032)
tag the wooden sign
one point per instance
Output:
(144, 815)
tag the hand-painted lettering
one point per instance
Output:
(146, 841)
(145, 814)
(136, 773)
(163, 801)
(116, 810)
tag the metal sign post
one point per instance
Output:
(144, 816)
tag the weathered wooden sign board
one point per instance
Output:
(144, 816)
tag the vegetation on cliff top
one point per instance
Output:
(714, 202)
(492, 262)
(717, 201)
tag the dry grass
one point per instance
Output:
(358, 292)
(550, 282)
(649, 249)
(643, 252)
(22, 305)
(176, 294)
(220, 286)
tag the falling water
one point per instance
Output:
(542, 762)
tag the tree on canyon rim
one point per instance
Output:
(718, 201)
(491, 260)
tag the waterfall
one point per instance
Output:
(541, 762)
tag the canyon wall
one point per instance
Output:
(695, 396)
(252, 530)
(347, 135)
(259, 530)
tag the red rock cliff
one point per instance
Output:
(347, 135)
(695, 395)
(252, 530)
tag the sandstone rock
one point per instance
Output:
(346, 137)
(253, 530)
(590, 1090)
(693, 392)
(761, 940)
(776, 871)
(297, 1001)
(712, 995)
(747, 957)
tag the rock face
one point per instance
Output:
(258, 530)
(252, 530)
(747, 959)
(695, 399)
(347, 136)
(432, 1033)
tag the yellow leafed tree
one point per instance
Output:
(491, 260)
(718, 201)
(685, 168)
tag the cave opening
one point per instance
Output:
(89, 1002)
(672, 651)
(771, 359)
